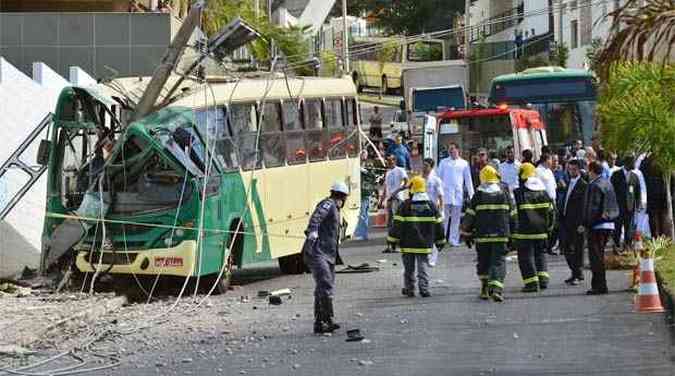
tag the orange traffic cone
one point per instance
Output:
(648, 299)
(638, 248)
(380, 219)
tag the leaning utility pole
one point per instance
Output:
(467, 43)
(169, 61)
(345, 39)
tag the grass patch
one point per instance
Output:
(665, 266)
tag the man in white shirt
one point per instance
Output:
(509, 170)
(394, 180)
(455, 174)
(545, 174)
(435, 193)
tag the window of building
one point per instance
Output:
(312, 114)
(574, 34)
(292, 116)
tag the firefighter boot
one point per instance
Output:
(531, 287)
(484, 293)
(496, 294)
(543, 280)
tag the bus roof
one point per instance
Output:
(543, 72)
(531, 116)
(244, 90)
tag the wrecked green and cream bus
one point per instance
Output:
(226, 175)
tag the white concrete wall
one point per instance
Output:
(24, 103)
(599, 28)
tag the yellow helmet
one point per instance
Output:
(418, 185)
(527, 170)
(489, 175)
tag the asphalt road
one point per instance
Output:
(557, 332)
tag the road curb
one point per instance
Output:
(666, 296)
(87, 315)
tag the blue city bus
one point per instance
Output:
(565, 99)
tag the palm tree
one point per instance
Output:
(644, 33)
(637, 77)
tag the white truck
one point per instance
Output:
(427, 88)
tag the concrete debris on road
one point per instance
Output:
(10, 289)
(14, 350)
(275, 300)
(281, 292)
(366, 362)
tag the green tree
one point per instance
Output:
(477, 58)
(592, 54)
(637, 110)
(560, 53)
(637, 77)
(406, 16)
(328, 63)
(291, 41)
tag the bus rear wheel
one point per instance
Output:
(292, 264)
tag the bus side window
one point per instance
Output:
(312, 114)
(314, 136)
(291, 115)
(296, 153)
(352, 142)
(335, 132)
(272, 141)
(244, 124)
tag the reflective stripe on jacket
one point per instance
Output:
(417, 226)
(491, 215)
(535, 214)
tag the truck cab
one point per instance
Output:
(494, 129)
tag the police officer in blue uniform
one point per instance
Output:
(321, 254)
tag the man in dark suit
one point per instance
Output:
(571, 207)
(626, 186)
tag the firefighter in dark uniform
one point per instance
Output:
(535, 223)
(321, 254)
(417, 227)
(488, 222)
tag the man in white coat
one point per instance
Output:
(455, 174)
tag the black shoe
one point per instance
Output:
(543, 285)
(388, 250)
(574, 282)
(321, 327)
(530, 287)
(597, 292)
(425, 294)
(570, 280)
(408, 293)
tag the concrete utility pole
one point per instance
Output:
(467, 31)
(345, 39)
(561, 38)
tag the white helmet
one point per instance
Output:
(340, 187)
